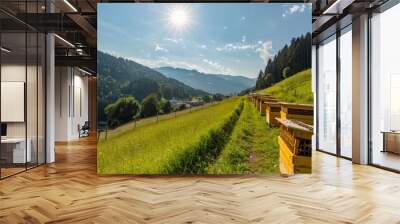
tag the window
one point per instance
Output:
(346, 92)
(385, 89)
(327, 95)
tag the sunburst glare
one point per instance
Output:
(179, 17)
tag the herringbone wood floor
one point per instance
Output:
(70, 191)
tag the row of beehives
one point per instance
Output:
(295, 121)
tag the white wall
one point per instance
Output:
(71, 94)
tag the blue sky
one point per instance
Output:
(224, 38)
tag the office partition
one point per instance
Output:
(22, 77)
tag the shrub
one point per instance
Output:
(150, 106)
(166, 107)
(122, 111)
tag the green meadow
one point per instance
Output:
(169, 145)
(229, 137)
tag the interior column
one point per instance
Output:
(360, 90)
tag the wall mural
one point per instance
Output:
(185, 88)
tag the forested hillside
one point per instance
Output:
(121, 77)
(290, 60)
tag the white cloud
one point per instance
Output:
(297, 8)
(174, 40)
(159, 48)
(243, 38)
(236, 47)
(265, 51)
(203, 46)
(218, 68)
(242, 18)
(294, 8)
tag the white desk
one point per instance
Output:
(19, 154)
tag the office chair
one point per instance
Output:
(84, 130)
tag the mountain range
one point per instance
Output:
(212, 83)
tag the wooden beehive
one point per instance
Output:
(258, 98)
(253, 97)
(294, 147)
(272, 111)
(263, 103)
(299, 112)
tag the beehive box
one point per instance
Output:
(299, 112)
(263, 104)
(272, 111)
(253, 97)
(294, 147)
(258, 99)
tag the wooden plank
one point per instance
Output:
(285, 158)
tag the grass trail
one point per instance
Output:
(252, 147)
(149, 149)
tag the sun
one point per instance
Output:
(179, 17)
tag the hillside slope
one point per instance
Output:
(295, 89)
(212, 83)
(120, 77)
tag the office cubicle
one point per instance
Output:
(22, 77)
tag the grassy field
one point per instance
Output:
(252, 147)
(149, 121)
(295, 89)
(170, 145)
(230, 137)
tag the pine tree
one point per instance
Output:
(288, 61)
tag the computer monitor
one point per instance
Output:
(3, 129)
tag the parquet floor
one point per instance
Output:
(70, 191)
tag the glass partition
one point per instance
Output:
(14, 154)
(327, 95)
(22, 101)
(385, 89)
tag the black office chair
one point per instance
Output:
(84, 130)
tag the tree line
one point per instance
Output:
(288, 61)
(128, 108)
